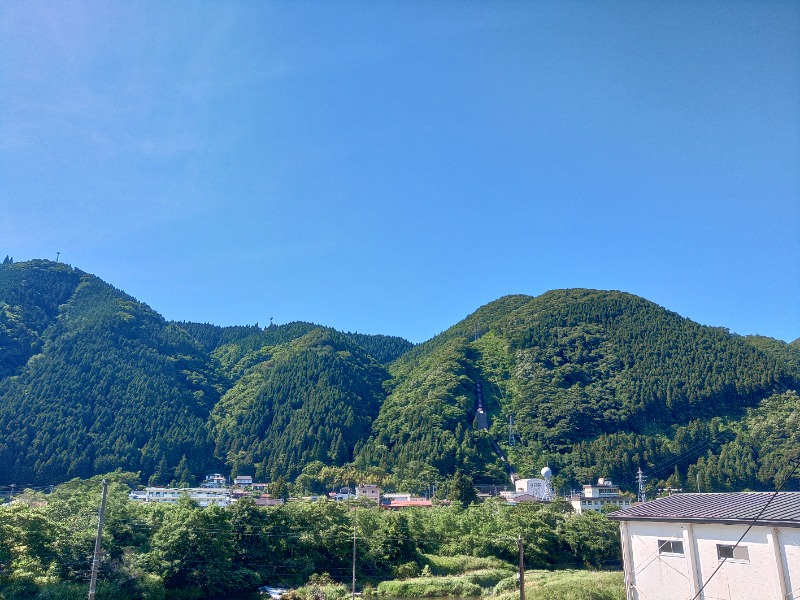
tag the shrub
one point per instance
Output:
(406, 570)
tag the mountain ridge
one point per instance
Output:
(92, 379)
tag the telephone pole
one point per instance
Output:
(97, 543)
(355, 516)
(521, 568)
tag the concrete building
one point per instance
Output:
(596, 497)
(687, 546)
(243, 480)
(368, 491)
(534, 487)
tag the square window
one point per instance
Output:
(670, 547)
(730, 552)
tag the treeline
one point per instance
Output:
(153, 550)
(112, 386)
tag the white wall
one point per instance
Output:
(658, 576)
(790, 553)
(669, 577)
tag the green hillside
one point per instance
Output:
(92, 380)
(599, 383)
(312, 399)
(111, 384)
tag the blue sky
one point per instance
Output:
(389, 167)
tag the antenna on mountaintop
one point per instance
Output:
(57, 255)
(270, 321)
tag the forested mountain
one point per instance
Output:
(92, 380)
(598, 384)
(106, 382)
(310, 400)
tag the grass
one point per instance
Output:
(425, 587)
(456, 565)
(570, 585)
(449, 576)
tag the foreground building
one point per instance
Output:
(671, 547)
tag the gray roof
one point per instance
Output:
(782, 509)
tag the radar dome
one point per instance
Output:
(547, 473)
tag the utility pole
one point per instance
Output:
(355, 516)
(521, 568)
(640, 477)
(97, 543)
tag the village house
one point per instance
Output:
(214, 481)
(687, 546)
(395, 500)
(267, 501)
(243, 481)
(368, 491)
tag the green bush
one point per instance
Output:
(508, 584)
(406, 571)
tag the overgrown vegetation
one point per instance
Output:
(152, 549)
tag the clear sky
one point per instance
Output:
(389, 167)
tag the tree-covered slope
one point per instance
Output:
(572, 367)
(111, 383)
(311, 399)
(598, 384)
(30, 296)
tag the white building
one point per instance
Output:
(534, 487)
(243, 480)
(595, 497)
(685, 545)
(203, 496)
(214, 481)
(397, 497)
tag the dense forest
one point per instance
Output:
(597, 383)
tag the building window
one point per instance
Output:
(670, 547)
(728, 551)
